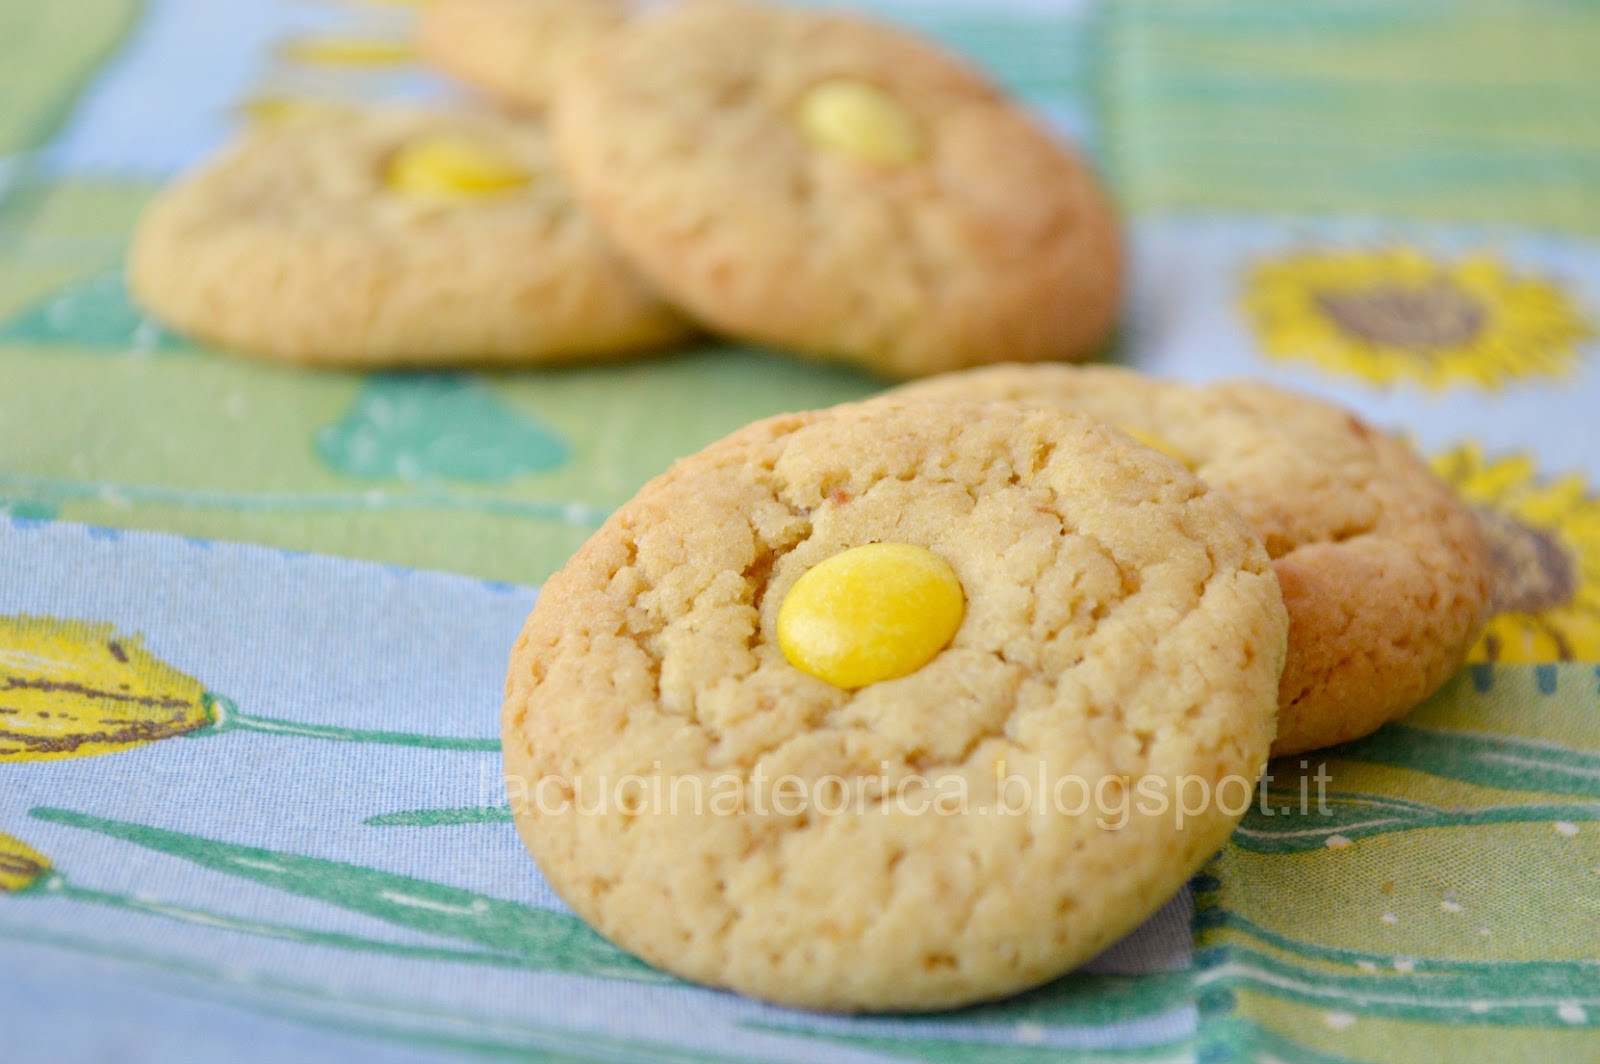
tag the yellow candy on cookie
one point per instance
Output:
(870, 613)
(278, 110)
(859, 120)
(668, 646)
(348, 52)
(906, 214)
(444, 165)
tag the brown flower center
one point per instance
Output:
(1422, 317)
(1533, 570)
(22, 869)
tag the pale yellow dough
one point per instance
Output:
(958, 233)
(1122, 625)
(1383, 569)
(295, 245)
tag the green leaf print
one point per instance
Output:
(436, 427)
(556, 941)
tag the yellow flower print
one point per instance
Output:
(75, 689)
(1544, 539)
(1401, 315)
(21, 866)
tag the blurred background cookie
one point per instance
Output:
(827, 184)
(391, 237)
(1383, 569)
(516, 51)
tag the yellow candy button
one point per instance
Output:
(282, 110)
(348, 51)
(446, 165)
(870, 614)
(859, 120)
(1158, 443)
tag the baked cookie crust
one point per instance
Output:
(683, 137)
(1122, 626)
(292, 246)
(1383, 569)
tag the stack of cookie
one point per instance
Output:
(926, 700)
(899, 705)
(817, 182)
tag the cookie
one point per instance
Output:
(1114, 624)
(517, 51)
(827, 184)
(388, 238)
(1382, 567)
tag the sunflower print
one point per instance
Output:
(1398, 315)
(1544, 541)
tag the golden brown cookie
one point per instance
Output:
(383, 238)
(821, 182)
(517, 51)
(1382, 567)
(1121, 631)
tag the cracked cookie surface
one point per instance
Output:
(1121, 625)
(1383, 570)
(294, 245)
(687, 137)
